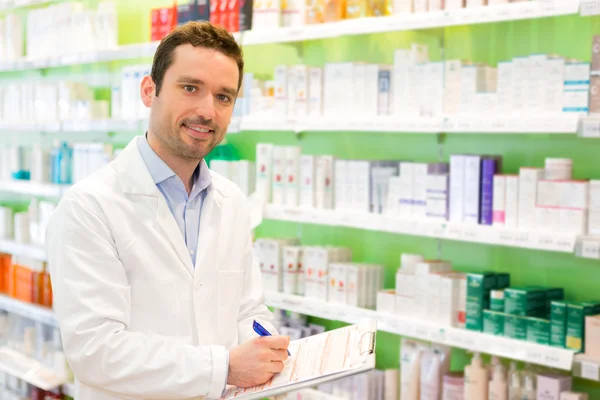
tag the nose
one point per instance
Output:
(205, 108)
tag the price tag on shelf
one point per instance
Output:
(522, 239)
(589, 8)
(590, 370)
(590, 249)
(590, 127)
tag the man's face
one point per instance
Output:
(193, 109)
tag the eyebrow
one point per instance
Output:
(196, 81)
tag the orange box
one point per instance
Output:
(46, 290)
(335, 10)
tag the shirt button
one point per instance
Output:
(192, 252)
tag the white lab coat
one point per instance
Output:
(138, 320)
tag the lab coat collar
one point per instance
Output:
(136, 180)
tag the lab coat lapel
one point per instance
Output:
(137, 181)
(166, 222)
(209, 227)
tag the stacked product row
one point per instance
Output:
(425, 375)
(44, 31)
(238, 16)
(25, 280)
(416, 87)
(240, 172)
(430, 290)
(38, 342)
(50, 101)
(470, 189)
(323, 273)
(26, 226)
(61, 163)
(487, 302)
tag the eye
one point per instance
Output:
(189, 88)
(223, 98)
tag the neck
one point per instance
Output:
(183, 167)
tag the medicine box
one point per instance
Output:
(538, 331)
(525, 302)
(493, 322)
(576, 314)
(479, 287)
(515, 327)
(558, 323)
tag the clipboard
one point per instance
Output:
(318, 359)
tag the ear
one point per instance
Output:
(147, 90)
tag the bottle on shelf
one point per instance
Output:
(476, 379)
(498, 389)
(515, 382)
(529, 391)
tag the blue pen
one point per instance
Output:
(260, 330)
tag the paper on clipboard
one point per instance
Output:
(317, 359)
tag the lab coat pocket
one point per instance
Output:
(230, 294)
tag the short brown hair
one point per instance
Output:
(198, 34)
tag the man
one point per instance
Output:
(151, 258)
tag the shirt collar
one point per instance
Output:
(160, 171)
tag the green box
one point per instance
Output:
(558, 323)
(554, 294)
(576, 314)
(479, 287)
(497, 300)
(525, 301)
(493, 322)
(502, 280)
(515, 327)
(538, 331)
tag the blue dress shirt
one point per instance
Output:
(185, 209)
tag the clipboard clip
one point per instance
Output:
(367, 346)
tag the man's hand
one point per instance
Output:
(257, 360)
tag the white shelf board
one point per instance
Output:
(12, 4)
(586, 368)
(29, 370)
(496, 13)
(589, 127)
(428, 331)
(83, 126)
(125, 52)
(31, 311)
(550, 241)
(25, 250)
(463, 124)
(31, 188)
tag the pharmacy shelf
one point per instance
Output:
(92, 126)
(586, 367)
(24, 250)
(428, 331)
(589, 127)
(561, 124)
(30, 311)
(82, 126)
(496, 13)
(29, 370)
(125, 52)
(8, 5)
(588, 247)
(30, 188)
(550, 241)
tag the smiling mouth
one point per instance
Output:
(198, 129)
